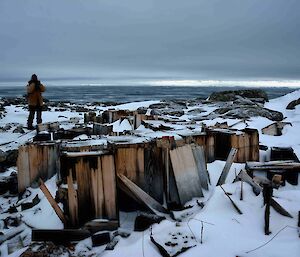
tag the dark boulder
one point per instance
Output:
(256, 95)
(144, 220)
(293, 104)
(246, 112)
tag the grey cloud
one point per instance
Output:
(216, 38)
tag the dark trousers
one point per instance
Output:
(32, 110)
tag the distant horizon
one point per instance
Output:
(169, 82)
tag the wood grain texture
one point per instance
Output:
(199, 155)
(52, 202)
(109, 186)
(73, 201)
(186, 174)
(227, 166)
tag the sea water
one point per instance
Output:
(122, 94)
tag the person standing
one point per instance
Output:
(35, 100)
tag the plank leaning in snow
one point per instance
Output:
(185, 172)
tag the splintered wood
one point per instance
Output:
(36, 161)
(186, 174)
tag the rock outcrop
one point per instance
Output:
(293, 104)
(255, 95)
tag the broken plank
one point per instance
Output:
(59, 236)
(227, 166)
(272, 165)
(133, 190)
(277, 207)
(185, 172)
(243, 175)
(52, 202)
(101, 225)
(11, 233)
(232, 202)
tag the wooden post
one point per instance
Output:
(299, 223)
(167, 174)
(232, 202)
(165, 144)
(267, 193)
(241, 198)
(201, 241)
(52, 202)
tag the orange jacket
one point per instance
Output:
(35, 96)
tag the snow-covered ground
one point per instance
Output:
(226, 233)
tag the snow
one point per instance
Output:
(121, 125)
(225, 231)
(135, 105)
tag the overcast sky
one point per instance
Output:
(211, 39)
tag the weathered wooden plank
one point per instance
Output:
(272, 165)
(126, 162)
(23, 169)
(186, 174)
(52, 202)
(154, 172)
(59, 236)
(37, 161)
(73, 201)
(33, 162)
(227, 166)
(109, 186)
(167, 173)
(279, 208)
(247, 148)
(232, 202)
(241, 150)
(101, 225)
(198, 152)
(254, 143)
(86, 210)
(246, 178)
(140, 159)
(210, 148)
(299, 223)
(133, 190)
(97, 188)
